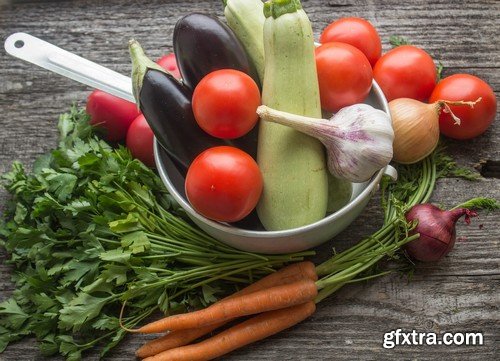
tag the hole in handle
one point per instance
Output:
(19, 44)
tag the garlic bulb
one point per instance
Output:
(358, 139)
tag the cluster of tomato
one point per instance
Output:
(224, 183)
(351, 56)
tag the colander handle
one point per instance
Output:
(62, 62)
(391, 172)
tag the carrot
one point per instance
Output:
(286, 275)
(251, 330)
(289, 274)
(174, 339)
(269, 299)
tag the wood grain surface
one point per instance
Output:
(460, 293)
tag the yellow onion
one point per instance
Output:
(416, 127)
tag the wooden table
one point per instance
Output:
(458, 294)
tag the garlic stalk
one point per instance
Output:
(358, 138)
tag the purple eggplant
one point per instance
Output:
(203, 44)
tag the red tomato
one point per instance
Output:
(169, 63)
(111, 113)
(225, 103)
(473, 121)
(357, 32)
(345, 75)
(406, 72)
(140, 141)
(224, 184)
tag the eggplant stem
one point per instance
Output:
(140, 66)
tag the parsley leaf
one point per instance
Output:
(90, 227)
(14, 315)
(79, 310)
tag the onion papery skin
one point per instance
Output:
(416, 129)
(437, 231)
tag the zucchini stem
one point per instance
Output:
(277, 8)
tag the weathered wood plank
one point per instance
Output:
(458, 294)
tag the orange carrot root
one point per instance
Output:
(174, 339)
(249, 331)
(286, 275)
(269, 299)
(289, 274)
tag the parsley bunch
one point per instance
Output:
(91, 227)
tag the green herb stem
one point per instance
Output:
(345, 267)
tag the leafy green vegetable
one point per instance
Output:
(90, 228)
(396, 41)
(447, 167)
(480, 203)
(439, 71)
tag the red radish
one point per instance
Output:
(114, 115)
(437, 231)
(169, 63)
(140, 141)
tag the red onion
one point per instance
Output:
(437, 231)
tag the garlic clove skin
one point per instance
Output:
(358, 139)
(365, 144)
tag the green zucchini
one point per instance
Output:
(292, 164)
(339, 193)
(246, 18)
